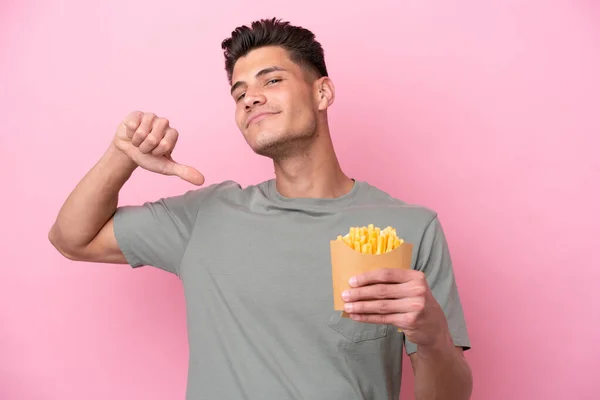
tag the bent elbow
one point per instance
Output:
(61, 246)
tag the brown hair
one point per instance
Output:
(299, 42)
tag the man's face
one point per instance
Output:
(276, 104)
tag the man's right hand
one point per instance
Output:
(149, 141)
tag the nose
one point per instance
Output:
(252, 99)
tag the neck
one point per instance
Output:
(312, 173)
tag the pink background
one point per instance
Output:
(485, 111)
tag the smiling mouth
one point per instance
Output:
(259, 117)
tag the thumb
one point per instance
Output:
(185, 172)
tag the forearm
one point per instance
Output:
(442, 373)
(93, 201)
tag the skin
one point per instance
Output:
(403, 298)
(294, 133)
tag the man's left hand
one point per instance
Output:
(397, 297)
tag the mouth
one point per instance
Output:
(259, 117)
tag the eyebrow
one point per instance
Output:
(260, 73)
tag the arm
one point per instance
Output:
(84, 229)
(440, 368)
(425, 304)
(441, 373)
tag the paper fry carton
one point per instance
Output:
(347, 262)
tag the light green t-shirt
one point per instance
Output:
(256, 273)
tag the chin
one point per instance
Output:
(265, 144)
(278, 146)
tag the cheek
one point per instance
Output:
(303, 113)
(239, 117)
(303, 104)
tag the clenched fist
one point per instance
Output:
(149, 141)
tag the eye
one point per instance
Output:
(273, 81)
(240, 97)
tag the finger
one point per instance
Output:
(386, 319)
(385, 275)
(405, 322)
(375, 291)
(413, 288)
(143, 129)
(152, 140)
(397, 306)
(167, 144)
(185, 172)
(132, 122)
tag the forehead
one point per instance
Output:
(258, 59)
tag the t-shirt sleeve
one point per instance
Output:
(157, 233)
(434, 261)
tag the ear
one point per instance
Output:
(324, 93)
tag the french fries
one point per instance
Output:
(371, 239)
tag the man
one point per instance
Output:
(255, 261)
